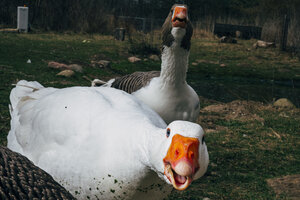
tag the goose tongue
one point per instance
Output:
(179, 182)
(179, 179)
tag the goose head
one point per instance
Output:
(177, 27)
(186, 158)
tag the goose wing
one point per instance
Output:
(135, 81)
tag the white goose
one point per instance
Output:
(103, 143)
(167, 91)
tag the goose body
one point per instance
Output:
(21, 179)
(103, 143)
(167, 91)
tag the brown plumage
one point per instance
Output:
(21, 179)
(135, 81)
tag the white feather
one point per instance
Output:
(170, 95)
(98, 142)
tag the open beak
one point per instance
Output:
(181, 161)
(179, 17)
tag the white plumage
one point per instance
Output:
(167, 92)
(101, 142)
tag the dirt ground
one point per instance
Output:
(236, 110)
(239, 110)
(286, 185)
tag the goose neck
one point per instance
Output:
(156, 146)
(174, 65)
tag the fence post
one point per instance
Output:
(144, 24)
(284, 35)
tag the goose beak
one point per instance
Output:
(181, 161)
(179, 17)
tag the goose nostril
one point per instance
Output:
(176, 152)
(192, 155)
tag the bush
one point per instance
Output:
(141, 43)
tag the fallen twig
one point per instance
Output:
(275, 133)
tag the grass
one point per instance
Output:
(242, 155)
(244, 61)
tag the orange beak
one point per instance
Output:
(179, 17)
(181, 161)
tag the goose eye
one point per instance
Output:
(203, 140)
(168, 132)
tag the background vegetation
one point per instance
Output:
(103, 16)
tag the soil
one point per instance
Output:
(287, 186)
(236, 110)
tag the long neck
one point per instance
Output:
(156, 149)
(174, 64)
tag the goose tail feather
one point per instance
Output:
(22, 90)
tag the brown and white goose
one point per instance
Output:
(21, 179)
(167, 91)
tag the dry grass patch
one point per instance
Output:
(243, 111)
(288, 186)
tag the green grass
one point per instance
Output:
(242, 157)
(243, 60)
